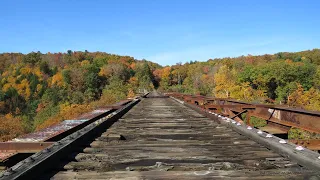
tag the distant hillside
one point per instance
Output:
(38, 90)
(287, 78)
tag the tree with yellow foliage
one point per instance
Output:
(57, 80)
(305, 99)
(225, 82)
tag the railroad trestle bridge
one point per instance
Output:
(171, 136)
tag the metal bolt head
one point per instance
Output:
(58, 143)
(8, 172)
(70, 137)
(46, 150)
(299, 148)
(269, 136)
(29, 159)
(282, 141)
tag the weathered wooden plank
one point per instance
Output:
(189, 175)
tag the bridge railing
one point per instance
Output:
(279, 119)
(24, 146)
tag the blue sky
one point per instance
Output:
(163, 31)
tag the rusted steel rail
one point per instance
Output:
(160, 138)
(23, 147)
(279, 118)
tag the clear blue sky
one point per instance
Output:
(163, 31)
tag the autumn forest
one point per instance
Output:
(38, 90)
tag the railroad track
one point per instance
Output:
(160, 138)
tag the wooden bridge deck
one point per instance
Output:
(162, 139)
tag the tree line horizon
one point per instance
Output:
(39, 90)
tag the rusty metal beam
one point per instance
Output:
(304, 122)
(24, 147)
(280, 118)
(282, 115)
(313, 144)
(232, 114)
(277, 107)
(237, 115)
(274, 130)
(231, 106)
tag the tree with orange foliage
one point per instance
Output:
(131, 93)
(10, 127)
